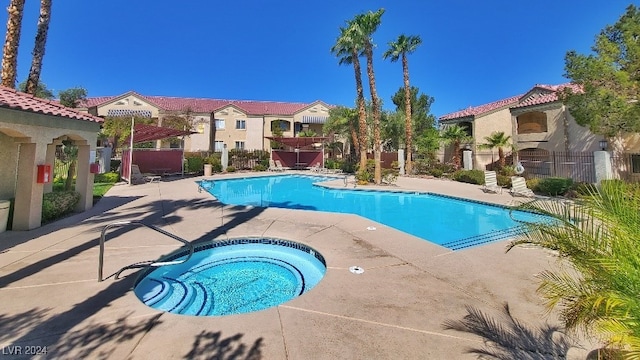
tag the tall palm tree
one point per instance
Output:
(597, 288)
(11, 42)
(455, 135)
(39, 46)
(365, 25)
(347, 48)
(399, 49)
(497, 140)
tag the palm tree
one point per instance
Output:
(11, 42)
(39, 46)
(343, 121)
(399, 49)
(347, 48)
(365, 25)
(455, 135)
(497, 140)
(598, 238)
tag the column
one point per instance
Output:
(467, 160)
(50, 158)
(27, 212)
(401, 161)
(602, 164)
(84, 179)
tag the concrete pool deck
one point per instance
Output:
(394, 310)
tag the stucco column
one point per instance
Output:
(50, 158)
(84, 179)
(467, 160)
(225, 158)
(27, 213)
(401, 161)
(602, 164)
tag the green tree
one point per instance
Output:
(455, 135)
(497, 140)
(609, 79)
(596, 286)
(11, 43)
(399, 49)
(71, 97)
(423, 122)
(347, 48)
(365, 25)
(41, 91)
(343, 122)
(119, 127)
(39, 47)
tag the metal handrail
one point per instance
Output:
(151, 263)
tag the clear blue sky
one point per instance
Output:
(473, 52)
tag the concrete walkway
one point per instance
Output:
(396, 309)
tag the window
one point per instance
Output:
(240, 145)
(219, 124)
(280, 125)
(635, 163)
(241, 124)
(532, 123)
(218, 146)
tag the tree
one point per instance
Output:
(343, 121)
(71, 97)
(11, 43)
(365, 25)
(119, 127)
(399, 49)
(497, 140)
(423, 122)
(609, 79)
(347, 48)
(39, 47)
(42, 91)
(180, 120)
(455, 135)
(596, 287)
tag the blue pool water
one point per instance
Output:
(450, 222)
(232, 277)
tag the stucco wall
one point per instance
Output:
(129, 102)
(8, 159)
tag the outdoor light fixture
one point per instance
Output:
(603, 144)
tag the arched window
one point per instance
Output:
(280, 125)
(532, 123)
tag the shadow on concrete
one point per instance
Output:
(507, 338)
(15, 324)
(211, 345)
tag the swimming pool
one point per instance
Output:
(232, 276)
(450, 222)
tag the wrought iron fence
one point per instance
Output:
(626, 166)
(578, 166)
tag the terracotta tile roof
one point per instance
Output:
(12, 99)
(543, 98)
(482, 109)
(204, 105)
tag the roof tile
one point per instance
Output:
(13, 99)
(479, 110)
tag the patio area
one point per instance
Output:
(394, 310)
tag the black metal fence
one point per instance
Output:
(626, 166)
(578, 166)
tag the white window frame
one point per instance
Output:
(218, 146)
(240, 145)
(241, 124)
(217, 122)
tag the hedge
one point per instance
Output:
(59, 203)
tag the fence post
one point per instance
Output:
(602, 162)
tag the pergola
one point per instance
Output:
(298, 143)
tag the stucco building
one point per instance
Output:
(238, 124)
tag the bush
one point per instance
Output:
(534, 184)
(584, 189)
(389, 176)
(110, 177)
(114, 166)
(436, 172)
(259, 167)
(503, 180)
(555, 186)
(469, 176)
(363, 177)
(195, 164)
(57, 204)
(231, 169)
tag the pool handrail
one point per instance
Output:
(144, 264)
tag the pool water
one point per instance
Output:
(232, 277)
(450, 222)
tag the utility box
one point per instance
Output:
(44, 174)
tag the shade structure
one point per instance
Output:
(144, 132)
(298, 142)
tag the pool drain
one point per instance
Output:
(356, 270)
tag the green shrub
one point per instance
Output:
(115, 165)
(584, 189)
(231, 168)
(436, 172)
(216, 168)
(259, 167)
(110, 177)
(389, 176)
(195, 164)
(534, 184)
(507, 170)
(555, 186)
(503, 180)
(57, 204)
(364, 177)
(469, 176)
